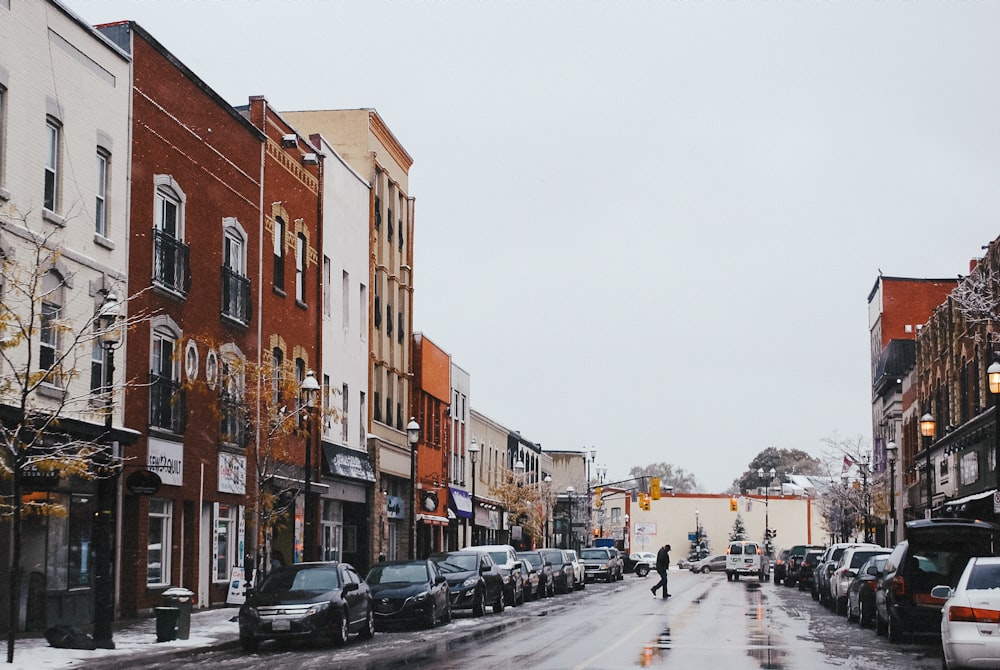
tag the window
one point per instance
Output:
(232, 414)
(277, 360)
(225, 541)
(970, 467)
(166, 402)
(98, 359)
(101, 205)
(53, 137)
(300, 268)
(363, 311)
(300, 396)
(158, 542)
(70, 540)
(49, 340)
(399, 330)
(362, 419)
(235, 285)
(170, 254)
(388, 320)
(345, 297)
(327, 279)
(279, 253)
(345, 412)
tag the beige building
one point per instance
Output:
(674, 517)
(364, 141)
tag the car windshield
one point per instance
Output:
(313, 580)
(984, 577)
(555, 558)
(405, 573)
(860, 557)
(499, 557)
(456, 562)
(593, 553)
(736, 549)
(534, 559)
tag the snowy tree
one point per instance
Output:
(739, 531)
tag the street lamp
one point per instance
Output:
(890, 454)
(548, 503)
(625, 542)
(412, 437)
(697, 532)
(569, 497)
(866, 498)
(993, 374)
(474, 457)
(310, 387)
(927, 427)
(108, 322)
(767, 497)
(843, 509)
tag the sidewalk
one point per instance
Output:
(135, 640)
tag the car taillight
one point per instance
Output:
(973, 614)
(871, 585)
(899, 586)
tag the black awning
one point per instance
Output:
(343, 461)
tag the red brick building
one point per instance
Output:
(431, 396)
(291, 313)
(195, 237)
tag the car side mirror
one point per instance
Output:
(942, 592)
(872, 570)
(440, 579)
(484, 569)
(548, 564)
(351, 587)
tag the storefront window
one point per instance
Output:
(68, 528)
(158, 547)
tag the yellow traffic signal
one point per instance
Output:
(643, 501)
(654, 487)
(597, 497)
(733, 505)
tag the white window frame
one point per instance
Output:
(165, 516)
(225, 529)
(300, 268)
(234, 247)
(101, 195)
(53, 299)
(53, 142)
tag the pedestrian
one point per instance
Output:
(662, 568)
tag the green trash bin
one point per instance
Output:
(183, 600)
(166, 623)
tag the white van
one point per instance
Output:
(747, 558)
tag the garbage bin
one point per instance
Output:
(166, 623)
(182, 599)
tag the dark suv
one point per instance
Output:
(790, 576)
(807, 569)
(934, 553)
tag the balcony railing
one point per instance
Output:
(232, 421)
(166, 404)
(235, 296)
(170, 263)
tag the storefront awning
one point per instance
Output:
(957, 507)
(343, 461)
(461, 503)
(431, 519)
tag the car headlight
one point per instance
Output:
(420, 597)
(471, 581)
(317, 608)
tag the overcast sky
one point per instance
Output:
(649, 227)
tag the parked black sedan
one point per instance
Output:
(409, 591)
(307, 600)
(861, 594)
(474, 580)
(546, 586)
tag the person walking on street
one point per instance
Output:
(662, 568)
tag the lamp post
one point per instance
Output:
(473, 457)
(890, 454)
(571, 534)
(927, 427)
(310, 387)
(412, 438)
(993, 374)
(104, 523)
(767, 498)
(866, 498)
(548, 506)
(625, 542)
(843, 509)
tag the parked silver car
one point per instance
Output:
(709, 564)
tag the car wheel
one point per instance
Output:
(864, 616)
(851, 616)
(729, 576)
(447, 614)
(368, 632)
(840, 606)
(705, 570)
(341, 632)
(522, 599)
(642, 570)
(249, 644)
(479, 604)
(893, 630)
(498, 604)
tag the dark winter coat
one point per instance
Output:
(662, 559)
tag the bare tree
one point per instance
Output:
(523, 504)
(55, 422)
(670, 475)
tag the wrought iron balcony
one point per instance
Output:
(167, 408)
(235, 296)
(171, 267)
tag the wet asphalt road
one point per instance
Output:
(707, 623)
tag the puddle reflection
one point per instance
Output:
(655, 651)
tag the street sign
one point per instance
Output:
(996, 501)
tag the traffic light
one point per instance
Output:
(733, 505)
(597, 497)
(654, 487)
(644, 501)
